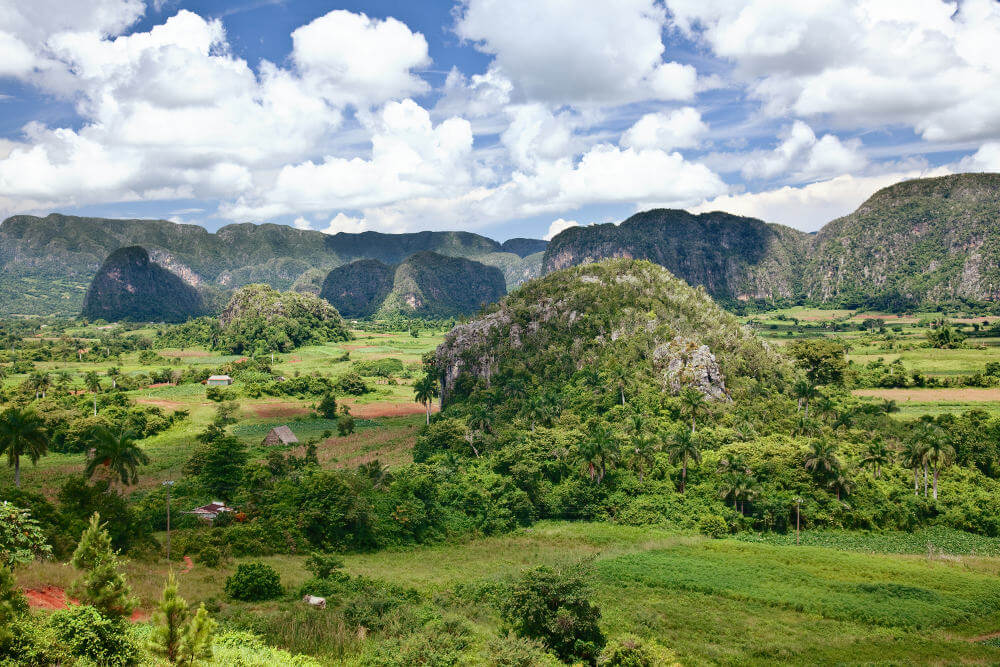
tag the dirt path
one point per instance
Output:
(984, 638)
(53, 598)
(969, 394)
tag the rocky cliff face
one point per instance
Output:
(616, 313)
(734, 258)
(358, 289)
(129, 286)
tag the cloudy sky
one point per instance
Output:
(504, 117)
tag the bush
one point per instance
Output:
(631, 651)
(219, 394)
(253, 582)
(345, 425)
(323, 565)
(551, 606)
(352, 383)
(210, 556)
(328, 407)
(513, 651)
(83, 632)
(713, 525)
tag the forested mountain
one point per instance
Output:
(918, 243)
(735, 258)
(130, 287)
(428, 284)
(48, 262)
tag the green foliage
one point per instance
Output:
(21, 538)
(22, 434)
(822, 360)
(84, 632)
(252, 582)
(945, 337)
(327, 407)
(511, 650)
(13, 607)
(713, 525)
(345, 425)
(322, 565)
(172, 613)
(632, 651)
(196, 643)
(101, 583)
(553, 607)
(260, 319)
(353, 384)
(218, 462)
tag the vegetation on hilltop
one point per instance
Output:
(358, 289)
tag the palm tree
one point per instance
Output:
(22, 433)
(39, 381)
(939, 454)
(840, 483)
(681, 447)
(694, 403)
(642, 444)
(597, 451)
(877, 455)
(114, 373)
(425, 391)
(739, 485)
(804, 391)
(93, 384)
(617, 376)
(913, 455)
(822, 458)
(928, 434)
(117, 453)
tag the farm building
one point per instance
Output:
(280, 435)
(219, 381)
(210, 511)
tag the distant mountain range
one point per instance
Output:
(426, 284)
(915, 244)
(47, 263)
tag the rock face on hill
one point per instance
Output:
(734, 258)
(915, 243)
(128, 286)
(358, 289)
(426, 284)
(47, 263)
(616, 314)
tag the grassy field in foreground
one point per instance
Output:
(712, 601)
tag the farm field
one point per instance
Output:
(712, 601)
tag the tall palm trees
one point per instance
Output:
(22, 433)
(805, 391)
(822, 458)
(913, 455)
(114, 373)
(877, 456)
(938, 451)
(598, 451)
(681, 447)
(425, 391)
(93, 384)
(118, 453)
(693, 402)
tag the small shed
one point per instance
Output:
(219, 381)
(280, 435)
(210, 511)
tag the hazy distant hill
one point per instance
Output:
(735, 258)
(918, 243)
(48, 262)
(428, 284)
(130, 287)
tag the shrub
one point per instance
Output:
(713, 525)
(253, 582)
(210, 556)
(328, 407)
(551, 606)
(513, 651)
(352, 383)
(631, 651)
(345, 425)
(83, 632)
(323, 565)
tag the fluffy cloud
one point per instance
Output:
(811, 206)
(806, 157)
(559, 225)
(682, 128)
(931, 66)
(987, 158)
(358, 60)
(566, 52)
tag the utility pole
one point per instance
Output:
(168, 484)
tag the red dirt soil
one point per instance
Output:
(272, 410)
(53, 598)
(373, 410)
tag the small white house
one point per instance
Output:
(210, 511)
(219, 381)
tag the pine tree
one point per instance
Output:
(101, 585)
(12, 606)
(197, 641)
(170, 629)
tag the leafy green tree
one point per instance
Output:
(683, 446)
(119, 455)
(22, 433)
(218, 463)
(93, 384)
(13, 605)
(940, 453)
(805, 391)
(840, 483)
(101, 583)
(327, 407)
(617, 376)
(877, 456)
(114, 373)
(253, 582)
(553, 607)
(598, 450)
(822, 458)
(693, 403)
(822, 360)
(425, 391)
(21, 538)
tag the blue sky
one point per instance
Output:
(503, 117)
